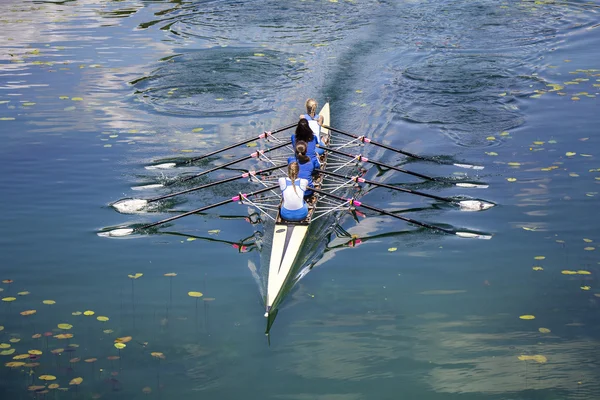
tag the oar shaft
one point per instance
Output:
(231, 200)
(243, 142)
(399, 189)
(365, 159)
(378, 210)
(385, 146)
(233, 178)
(256, 154)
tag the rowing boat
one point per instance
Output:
(290, 249)
(289, 238)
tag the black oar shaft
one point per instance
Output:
(238, 160)
(365, 159)
(385, 146)
(378, 210)
(399, 189)
(243, 142)
(198, 210)
(233, 178)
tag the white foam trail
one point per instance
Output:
(162, 166)
(474, 205)
(471, 235)
(130, 206)
(145, 187)
(468, 166)
(472, 185)
(116, 232)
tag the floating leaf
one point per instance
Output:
(14, 364)
(136, 276)
(570, 154)
(196, 130)
(23, 293)
(586, 287)
(157, 354)
(490, 138)
(47, 377)
(49, 302)
(88, 313)
(491, 153)
(76, 381)
(568, 272)
(539, 257)
(28, 312)
(102, 318)
(90, 360)
(57, 351)
(537, 268)
(214, 231)
(514, 164)
(4, 346)
(392, 249)
(583, 272)
(21, 356)
(76, 313)
(588, 240)
(544, 330)
(194, 294)
(252, 144)
(77, 98)
(53, 386)
(9, 299)
(589, 248)
(527, 316)
(64, 336)
(65, 326)
(7, 352)
(170, 274)
(124, 339)
(120, 345)
(35, 352)
(511, 179)
(14, 340)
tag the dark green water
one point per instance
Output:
(91, 92)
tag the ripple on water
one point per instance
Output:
(222, 81)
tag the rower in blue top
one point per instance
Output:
(314, 120)
(306, 165)
(305, 133)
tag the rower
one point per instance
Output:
(293, 207)
(305, 133)
(314, 120)
(306, 165)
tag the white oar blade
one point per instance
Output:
(130, 206)
(472, 185)
(146, 187)
(162, 166)
(474, 205)
(471, 235)
(468, 166)
(116, 232)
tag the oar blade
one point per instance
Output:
(473, 235)
(119, 232)
(474, 205)
(146, 187)
(161, 166)
(468, 166)
(130, 206)
(472, 185)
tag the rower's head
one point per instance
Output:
(293, 170)
(303, 131)
(301, 151)
(311, 107)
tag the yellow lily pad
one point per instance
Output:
(527, 317)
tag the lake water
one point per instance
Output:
(92, 92)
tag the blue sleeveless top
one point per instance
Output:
(306, 169)
(311, 147)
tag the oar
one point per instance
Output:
(128, 231)
(357, 203)
(263, 135)
(135, 205)
(359, 157)
(466, 205)
(256, 154)
(365, 139)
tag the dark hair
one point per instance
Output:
(303, 131)
(301, 152)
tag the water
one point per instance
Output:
(92, 92)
